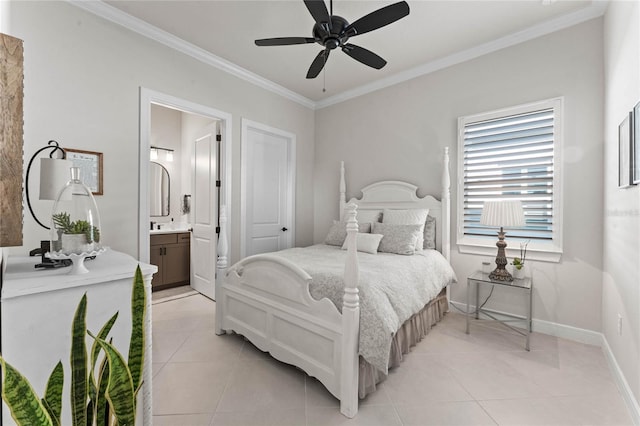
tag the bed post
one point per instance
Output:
(221, 265)
(343, 190)
(350, 321)
(446, 207)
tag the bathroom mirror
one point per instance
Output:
(158, 190)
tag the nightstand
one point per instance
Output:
(525, 285)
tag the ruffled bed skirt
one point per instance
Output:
(411, 332)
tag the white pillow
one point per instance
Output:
(398, 239)
(367, 243)
(408, 217)
(369, 216)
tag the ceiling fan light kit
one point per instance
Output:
(332, 32)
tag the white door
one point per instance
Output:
(205, 212)
(268, 172)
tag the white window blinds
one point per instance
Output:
(510, 157)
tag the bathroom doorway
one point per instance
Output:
(176, 134)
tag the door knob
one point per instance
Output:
(284, 229)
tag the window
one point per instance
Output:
(512, 154)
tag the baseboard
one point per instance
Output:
(623, 385)
(583, 336)
(547, 327)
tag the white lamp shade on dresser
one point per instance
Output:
(54, 175)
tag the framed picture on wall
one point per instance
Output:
(625, 178)
(90, 164)
(635, 144)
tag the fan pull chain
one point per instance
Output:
(324, 75)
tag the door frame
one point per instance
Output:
(148, 97)
(291, 180)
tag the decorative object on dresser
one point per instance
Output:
(502, 213)
(54, 174)
(90, 165)
(75, 228)
(297, 304)
(170, 252)
(11, 139)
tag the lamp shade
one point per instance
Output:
(505, 213)
(54, 175)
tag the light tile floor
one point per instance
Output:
(450, 378)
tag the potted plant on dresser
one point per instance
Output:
(75, 236)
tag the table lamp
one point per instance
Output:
(502, 213)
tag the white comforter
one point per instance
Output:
(392, 289)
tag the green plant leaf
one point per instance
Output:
(79, 365)
(137, 342)
(25, 406)
(102, 405)
(120, 392)
(52, 400)
(95, 352)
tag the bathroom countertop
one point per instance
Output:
(168, 231)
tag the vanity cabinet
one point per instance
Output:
(171, 254)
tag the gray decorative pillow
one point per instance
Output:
(430, 233)
(398, 239)
(338, 232)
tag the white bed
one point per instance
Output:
(267, 299)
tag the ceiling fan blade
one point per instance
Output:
(284, 41)
(318, 9)
(363, 55)
(318, 63)
(379, 18)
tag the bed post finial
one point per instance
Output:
(350, 320)
(446, 207)
(222, 263)
(343, 190)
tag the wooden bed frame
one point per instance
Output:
(266, 298)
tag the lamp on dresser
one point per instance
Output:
(505, 214)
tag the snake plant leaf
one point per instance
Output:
(137, 342)
(120, 392)
(79, 365)
(90, 413)
(25, 406)
(101, 404)
(95, 351)
(52, 400)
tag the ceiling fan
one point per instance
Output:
(332, 32)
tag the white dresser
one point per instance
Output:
(37, 307)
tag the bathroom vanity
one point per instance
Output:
(170, 252)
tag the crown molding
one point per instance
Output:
(110, 13)
(595, 10)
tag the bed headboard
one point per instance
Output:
(402, 195)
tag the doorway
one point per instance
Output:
(267, 189)
(220, 159)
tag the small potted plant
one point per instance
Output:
(518, 262)
(75, 237)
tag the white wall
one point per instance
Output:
(400, 132)
(621, 264)
(82, 80)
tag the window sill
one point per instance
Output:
(542, 252)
